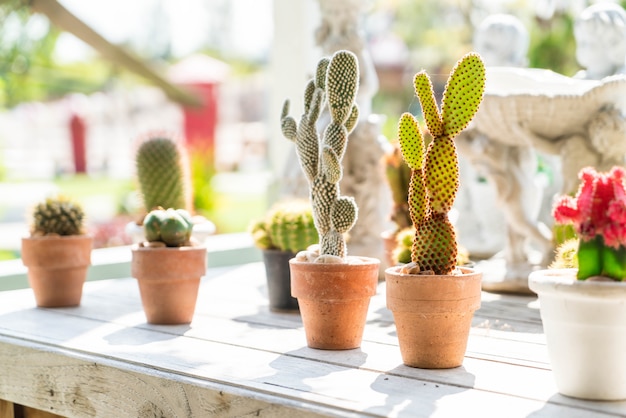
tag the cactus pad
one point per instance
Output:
(435, 177)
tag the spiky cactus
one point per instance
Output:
(58, 216)
(335, 84)
(163, 173)
(172, 227)
(398, 175)
(288, 226)
(435, 171)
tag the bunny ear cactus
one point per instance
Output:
(435, 171)
(598, 213)
(335, 84)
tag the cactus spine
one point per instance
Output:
(58, 216)
(163, 173)
(335, 84)
(435, 171)
(288, 226)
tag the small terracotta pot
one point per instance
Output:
(57, 268)
(334, 299)
(168, 280)
(433, 315)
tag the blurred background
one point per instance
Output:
(70, 109)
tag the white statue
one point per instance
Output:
(510, 167)
(600, 33)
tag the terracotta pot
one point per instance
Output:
(433, 315)
(334, 299)
(168, 280)
(57, 268)
(279, 280)
(585, 326)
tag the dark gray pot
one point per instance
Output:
(279, 280)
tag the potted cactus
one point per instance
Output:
(432, 299)
(164, 180)
(583, 301)
(168, 267)
(332, 288)
(58, 252)
(286, 229)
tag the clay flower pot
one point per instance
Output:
(585, 326)
(57, 268)
(334, 299)
(279, 280)
(433, 315)
(168, 278)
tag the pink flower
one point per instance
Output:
(599, 207)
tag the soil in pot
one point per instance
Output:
(433, 315)
(334, 300)
(57, 268)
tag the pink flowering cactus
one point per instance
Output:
(598, 214)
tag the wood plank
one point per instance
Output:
(7, 409)
(236, 344)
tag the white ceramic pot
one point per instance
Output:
(585, 327)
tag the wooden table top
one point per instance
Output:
(239, 359)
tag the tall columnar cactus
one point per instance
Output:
(288, 226)
(335, 84)
(58, 216)
(163, 173)
(435, 171)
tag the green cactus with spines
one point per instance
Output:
(335, 85)
(162, 173)
(59, 215)
(172, 227)
(435, 171)
(288, 226)
(398, 175)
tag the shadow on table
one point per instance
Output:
(403, 384)
(294, 368)
(579, 408)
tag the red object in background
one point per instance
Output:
(79, 145)
(200, 122)
(202, 75)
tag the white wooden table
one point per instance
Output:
(239, 359)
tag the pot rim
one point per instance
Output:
(366, 262)
(55, 237)
(465, 271)
(199, 247)
(564, 281)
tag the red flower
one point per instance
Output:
(599, 207)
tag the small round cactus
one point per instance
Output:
(288, 226)
(58, 216)
(172, 227)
